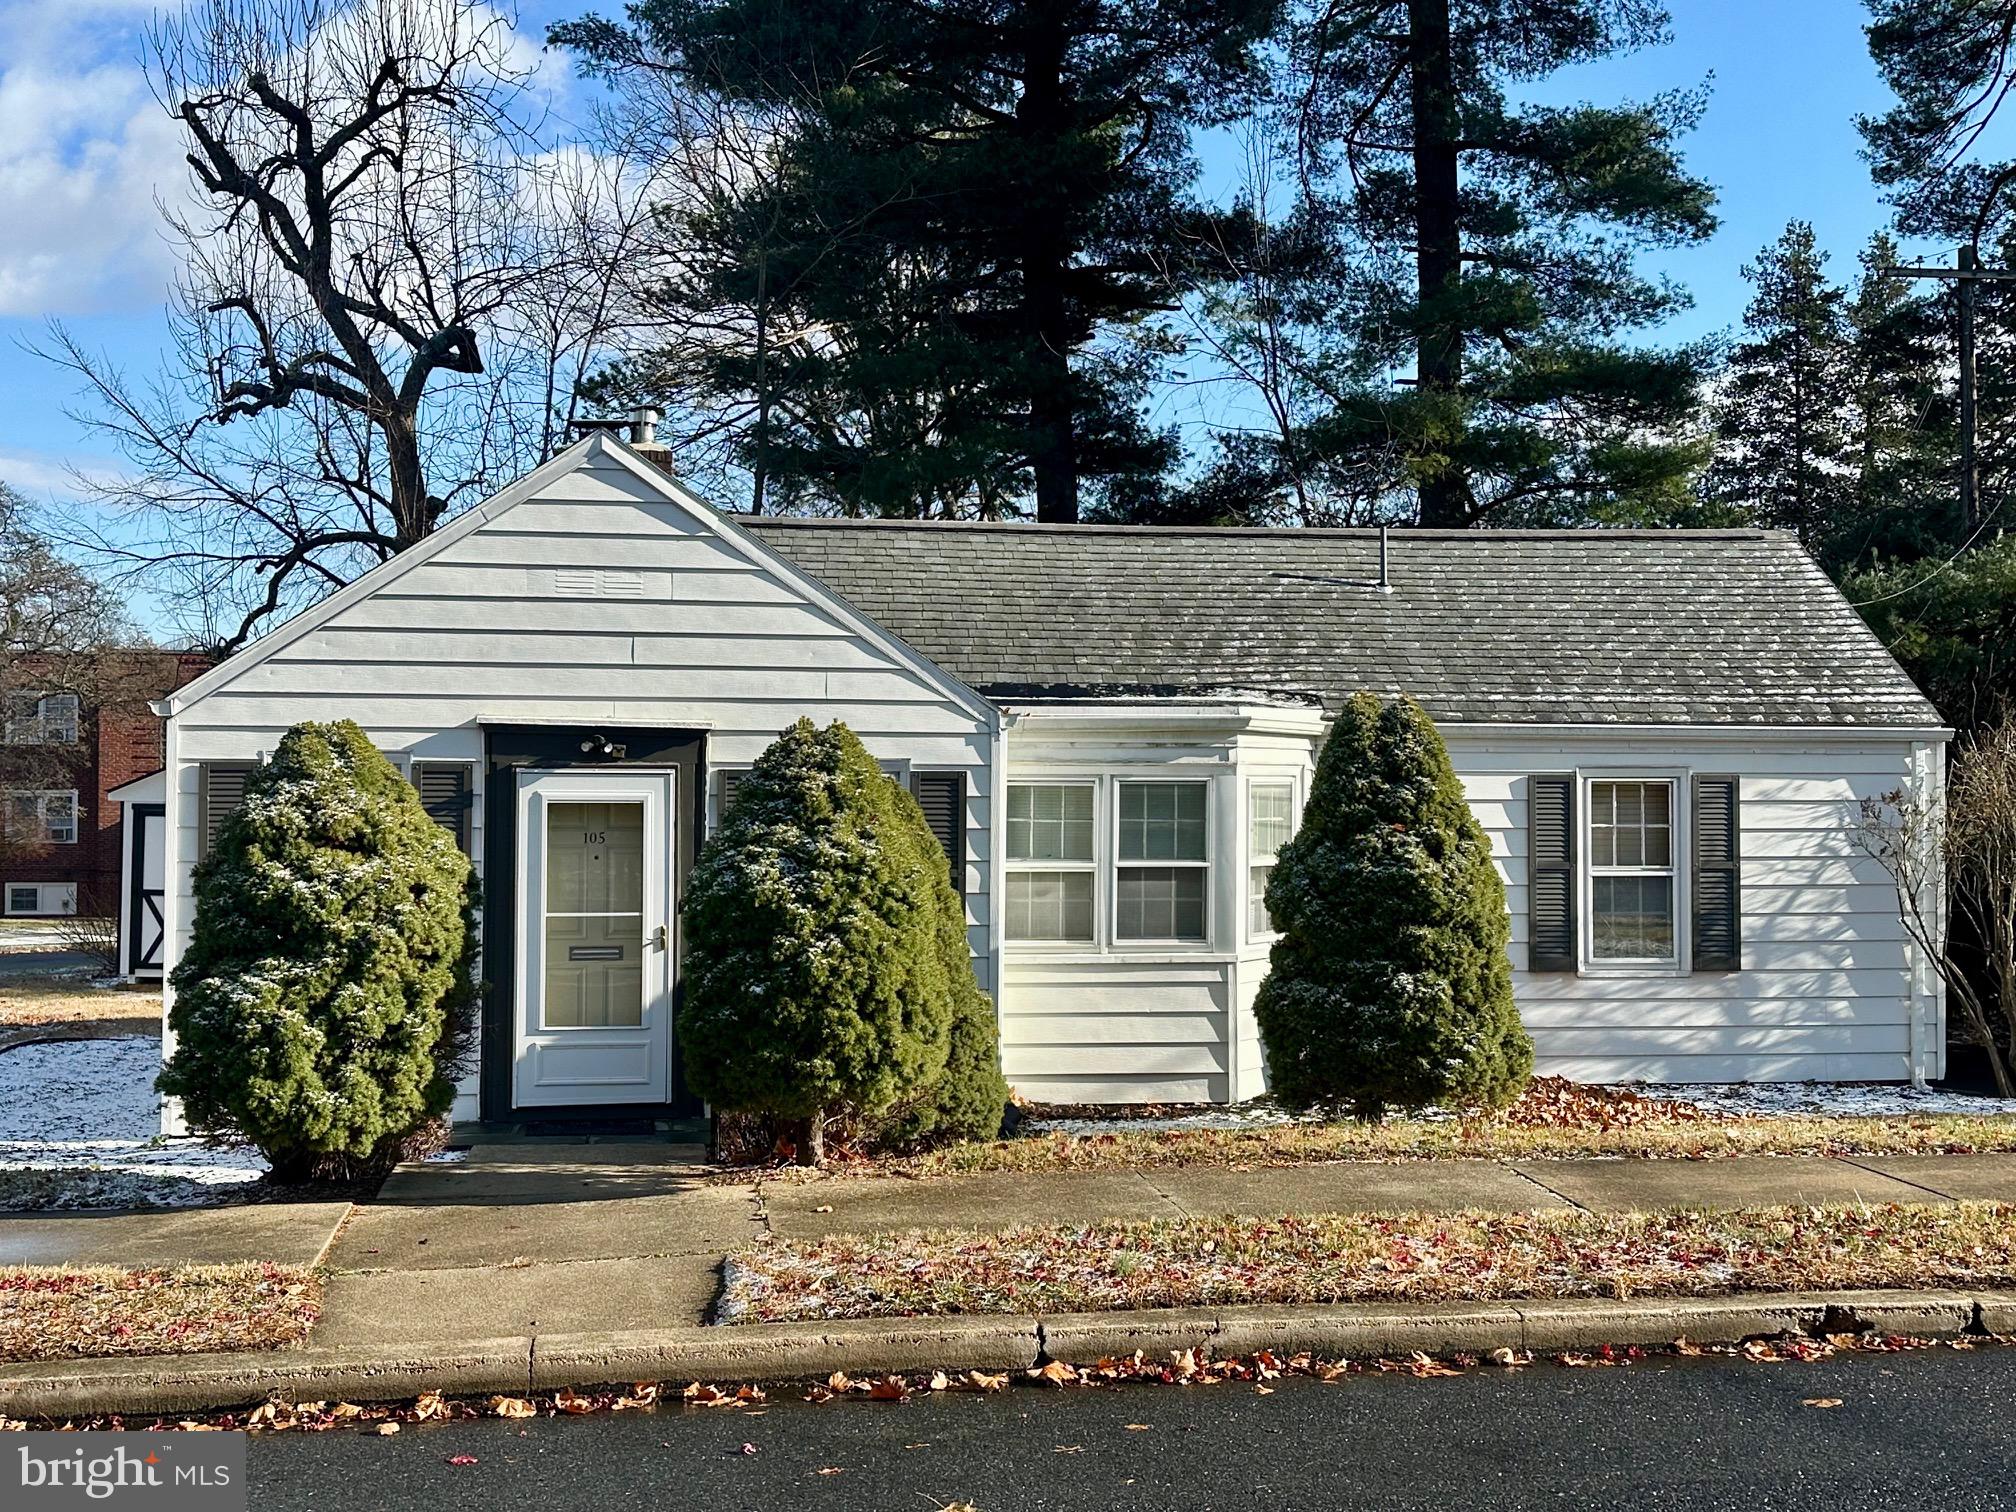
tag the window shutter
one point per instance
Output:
(942, 796)
(730, 783)
(446, 791)
(220, 789)
(1550, 873)
(1718, 879)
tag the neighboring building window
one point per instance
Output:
(1631, 874)
(42, 719)
(47, 818)
(1270, 820)
(1050, 861)
(27, 898)
(1166, 824)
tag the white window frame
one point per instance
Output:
(43, 797)
(66, 894)
(1268, 859)
(1117, 864)
(1095, 866)
(1586, 872)
(33, 728)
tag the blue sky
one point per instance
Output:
(84, 152)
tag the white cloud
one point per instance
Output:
(84, 152)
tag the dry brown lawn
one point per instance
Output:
(66, 1007)
(63, 1312)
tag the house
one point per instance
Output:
(1666, 736)
(62, 763)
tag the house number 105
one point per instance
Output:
(594, 837)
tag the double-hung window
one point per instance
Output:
(1051, 861)
(1161, 883)
(1632, 880)
(1270, 821)
(42, 719)
(46, 818)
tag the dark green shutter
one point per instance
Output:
(447, 792)
(1718, 877)
(220, 789)
(1550, 873)
(730, 781)
(942, 796)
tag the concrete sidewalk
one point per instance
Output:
(535, 1239)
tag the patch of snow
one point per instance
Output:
(80, 1127)
(445, 1157)
(1237, 1116)
(1826, 1099)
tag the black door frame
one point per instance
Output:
(511, 749)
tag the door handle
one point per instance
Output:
(658, 938)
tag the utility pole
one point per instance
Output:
(1968, 275)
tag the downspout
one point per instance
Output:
(171, 892)
(997, 862)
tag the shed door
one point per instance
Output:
(594, 989)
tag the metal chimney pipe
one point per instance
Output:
(644, 425)
(1385, 581)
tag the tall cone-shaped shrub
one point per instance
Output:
(328, 992)
(1390, 986)
(817, 979)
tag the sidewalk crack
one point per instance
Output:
(1525, 1175)
(531, 1360)
(1863, 1165)
(1149, 1182)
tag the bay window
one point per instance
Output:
(1161, 887)
(1050, 861)
(1632, 880)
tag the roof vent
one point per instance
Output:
(1385, 580)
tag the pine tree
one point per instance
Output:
(328, 991)
(1949, 63)
(1781, 421)
(970, 200)
(1390, 984)
(818, 979)
(1497, 262)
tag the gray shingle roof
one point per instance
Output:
(1569, 627)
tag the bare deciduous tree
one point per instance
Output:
(390, 283)
(66, 654)
(1961, 856)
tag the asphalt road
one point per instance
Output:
(15, 964)
(1932, 1429)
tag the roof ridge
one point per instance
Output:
(1285, 532)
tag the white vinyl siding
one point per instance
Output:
(676, 628)
(1829, 985)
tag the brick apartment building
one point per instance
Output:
(65, 834)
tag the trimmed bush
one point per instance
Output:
(328, 993)
(818, 979)
(1390, 985)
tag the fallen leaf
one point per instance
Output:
(461, 1459)
(981, 1380)
(831, 1470)
(940, 1381)
(1056, 1373)
(1138, 1427)
(570, 1401)
(508, 1407)
(1069, 1449)
(1821, 1402)
(1511, 1359)
(890, 1389)
(749, 1448)
(824, 1208)
(386, 1430)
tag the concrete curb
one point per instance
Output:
(811, 1351)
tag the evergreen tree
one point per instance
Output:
(1949, 63)
(819, 981)
(980, 193)
(328, 991)
(1781, 420)
(1903, 417)
(1497, 264)
(1948, 618)
(1390, 985)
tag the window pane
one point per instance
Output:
(1633, 918)
(1258, 920)
(1162, 821)
(595, 858)
(1050, 822)
(1160, 903)
(1050, 905)
(1631, 824)
(1271, 817)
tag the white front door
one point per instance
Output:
(594, 1018)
